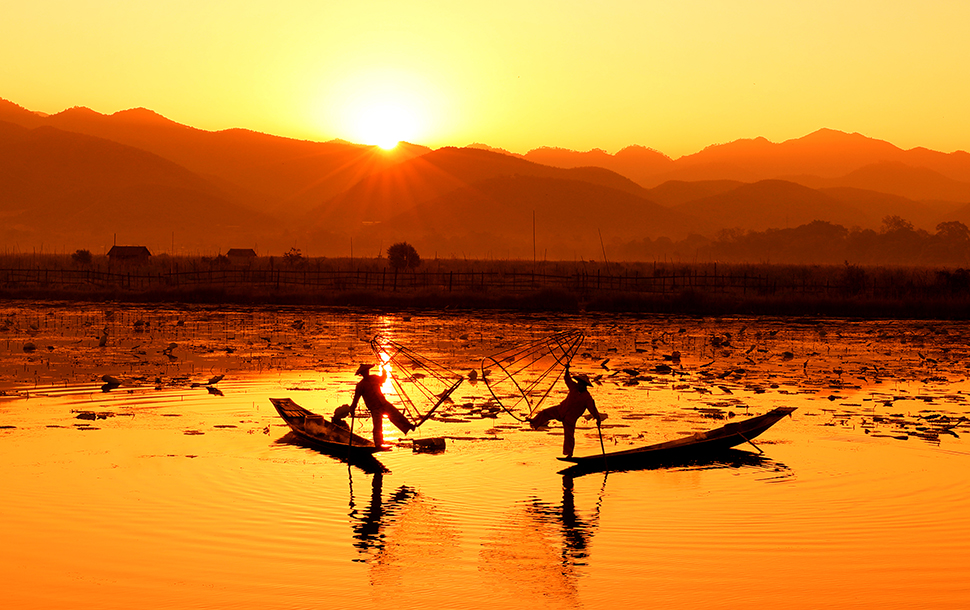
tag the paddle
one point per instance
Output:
(599, 429)
(350, 435)
(750, 443)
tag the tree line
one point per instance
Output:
(897, 242)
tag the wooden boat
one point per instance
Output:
(694, 446)
(321, 433)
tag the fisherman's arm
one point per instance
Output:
(570, 383)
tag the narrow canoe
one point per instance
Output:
(694, 446)
(321, 433)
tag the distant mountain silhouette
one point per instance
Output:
(674, 192)
(637, 163)
(571, 217)
(383, 195)
(873, 207)
(894, 177)
(67, 189)
(78, 178)
(815, 160)
(825, 153)
(48, 160)
(480, 146)
(208, 225)
(18, 115)
(770, 204)
(265, 171)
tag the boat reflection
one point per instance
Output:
(726, 458)
(366, 462)
(567, 525)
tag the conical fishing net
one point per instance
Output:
(421, 384)
(521, 377)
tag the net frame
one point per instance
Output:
(405, 361)
(562, 346)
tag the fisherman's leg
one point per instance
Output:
(544, 417)
(568, 437)
(397, 418)
(378, 419)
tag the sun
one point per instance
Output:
(378, 106)
(385, 123)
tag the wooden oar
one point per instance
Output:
(751, 443)
(599, 429)
(350, 436)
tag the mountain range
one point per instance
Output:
(81, 179)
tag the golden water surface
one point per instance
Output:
(164, 493)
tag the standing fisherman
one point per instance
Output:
(369, 388)
(577, 402)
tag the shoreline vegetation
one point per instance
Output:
(554, 286)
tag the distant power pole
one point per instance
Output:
(603, 246)
(533, 241)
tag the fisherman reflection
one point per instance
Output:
(576, 532)
(369, 523)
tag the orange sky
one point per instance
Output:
(674, 76)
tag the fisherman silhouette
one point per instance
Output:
(577, 402)
(369, 388)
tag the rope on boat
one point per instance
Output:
(422, 384)
(525, 374)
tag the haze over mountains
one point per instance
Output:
(80, 179)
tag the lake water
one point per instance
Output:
(175, 496)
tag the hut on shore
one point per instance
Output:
(129, 254)
(241, 256)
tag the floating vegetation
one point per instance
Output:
(882, 378)
(93, 415)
